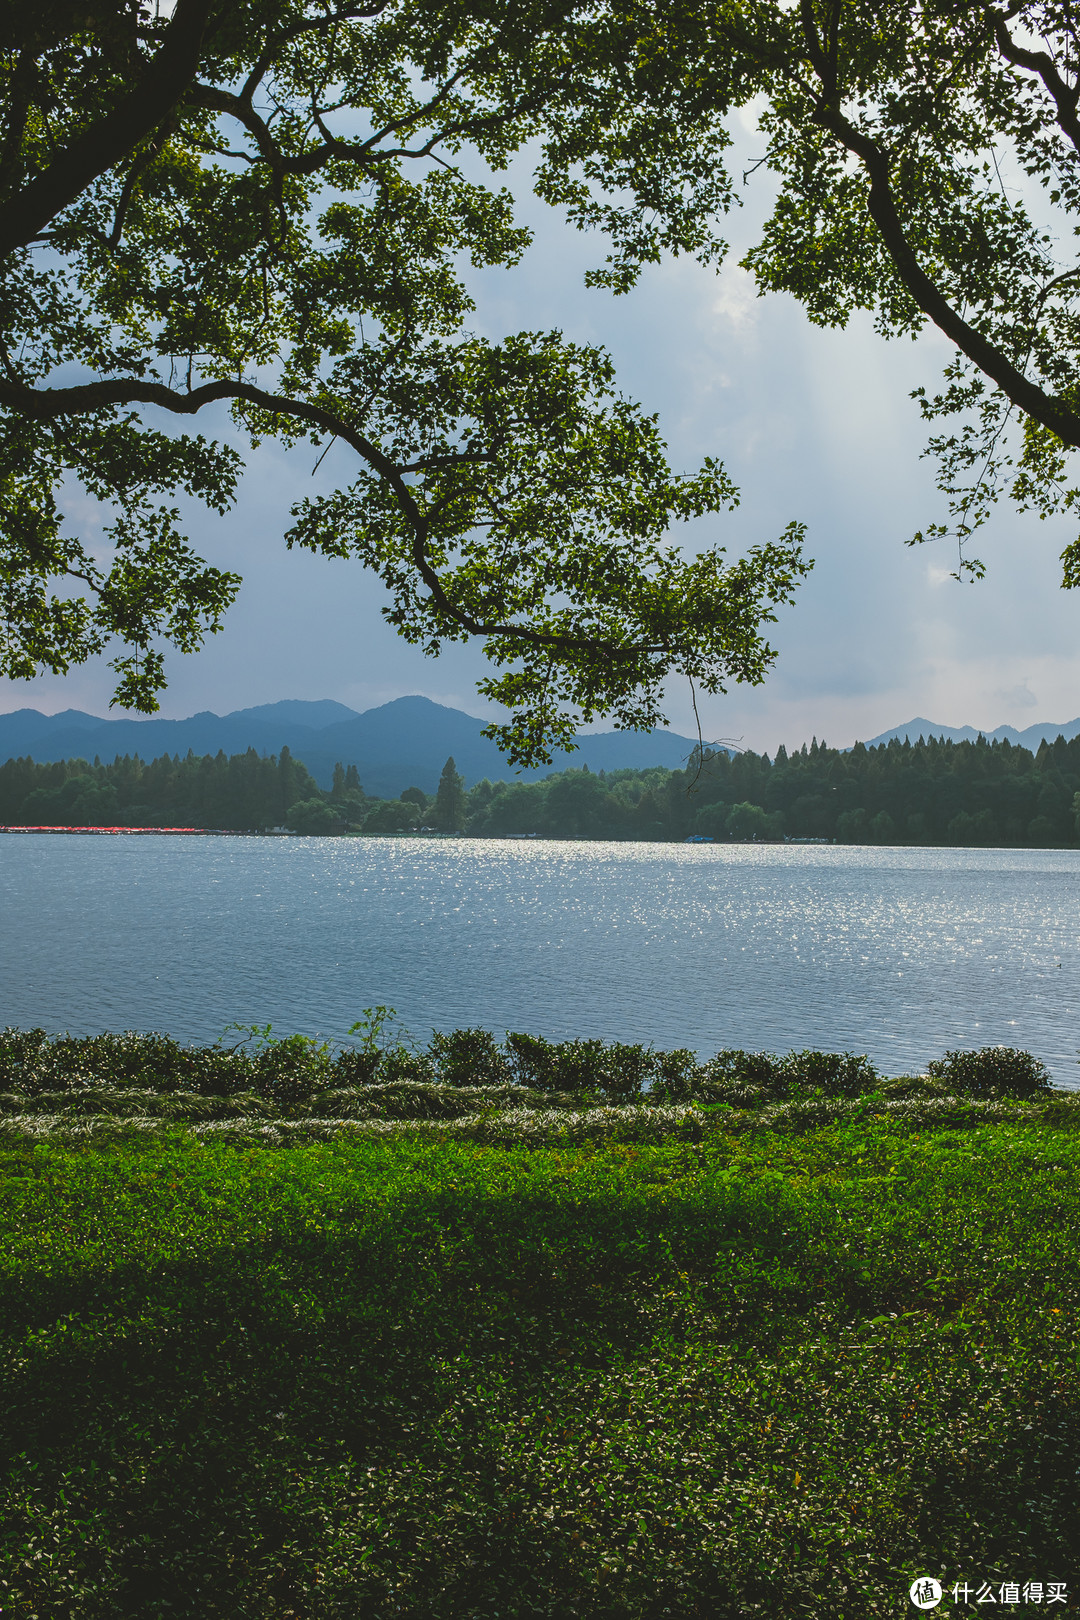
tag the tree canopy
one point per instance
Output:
(926, 163)
(264, 206)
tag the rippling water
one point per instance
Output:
(896, 952)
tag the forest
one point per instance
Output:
(238, 794)
(926, 792)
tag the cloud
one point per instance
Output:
(736, 300)
(1017, 697)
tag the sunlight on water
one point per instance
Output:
(896, 952)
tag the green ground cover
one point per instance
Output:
(774, 1371)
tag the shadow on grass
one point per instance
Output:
(515, 1403)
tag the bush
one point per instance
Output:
(355, 1068)
(993, 1071)
(680, 1078)
(581, 1065)
(535, 1061)
(289, 1071)
(470, 1057)
(399, 1064)
(736, 1071)
(626, 1070)
(837, 1074)
(618, 1071)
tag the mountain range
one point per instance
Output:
(1030, 737)
(398, 745)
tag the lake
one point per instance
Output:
(899, 953)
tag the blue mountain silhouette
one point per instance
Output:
(1030, 737)
(398, 745)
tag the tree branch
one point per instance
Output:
(138, 169)
(1065, 99)
(238, 107)
(333, 149)
(313, 26)
(46, 404)
(1030, 398)
(98, 147)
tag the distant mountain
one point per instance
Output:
(1030, 737)
(295, 712)
(401, 744)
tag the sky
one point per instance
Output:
(811, 424)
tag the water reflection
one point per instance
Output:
(896, 952)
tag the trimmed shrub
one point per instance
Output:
(626, 1071)
(470, 1057)
(356, 1068)
(399, 1064)
(679, 1077)
(734, 1072)
(993, 1071)
(288, 1072)
(535, 1061)
(837, 1074)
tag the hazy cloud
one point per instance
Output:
(1017, 697)
(735, 298)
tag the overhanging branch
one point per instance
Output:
(101, 145)
(1028, 396)
(49, 404)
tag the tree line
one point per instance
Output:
(237, 793)
(923, 792)
(926, 792)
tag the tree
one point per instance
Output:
(314, 817)
(260, 206)
(578, 805)
(390, 816)
(927, 164)
(882, 829)
(851, 827)
(450, 800)
(748, 822)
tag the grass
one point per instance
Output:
(777, 1371)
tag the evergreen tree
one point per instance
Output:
(286, 778)
(450, 799)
